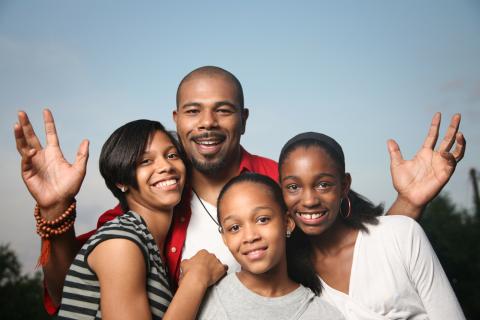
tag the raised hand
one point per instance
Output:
(51, 180)
(420, 179)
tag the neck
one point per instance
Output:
(331, 242)
(158, 223)
(273, 283)
(209, 185)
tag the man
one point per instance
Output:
(210, 118)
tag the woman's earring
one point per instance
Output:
(123, 189)
(288, 233)
(349, 206)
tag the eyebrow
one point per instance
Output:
(254, 211)
(167, 148)
(321, 175)
(217, 104)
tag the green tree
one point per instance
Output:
(20, 295)
(455, 236)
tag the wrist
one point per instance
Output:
(53, 211)
(404, 206)
(194, 281)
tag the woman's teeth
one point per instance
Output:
(166, 183)
(310, 216)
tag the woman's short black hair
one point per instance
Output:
(299, 263)
(122, 151)
(362, 210)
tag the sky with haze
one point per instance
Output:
(360, 71)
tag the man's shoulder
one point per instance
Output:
(258, 164)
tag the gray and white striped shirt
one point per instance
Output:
(81, 291)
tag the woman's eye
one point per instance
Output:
(263, 220)
(172, 155)
(145, 162)
(323, 185)
(234, 228)
(292, 187)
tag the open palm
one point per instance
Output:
(51, 180)
(420, 179)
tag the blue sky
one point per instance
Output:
(360, 71)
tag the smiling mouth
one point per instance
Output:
(167, 184)
(256, 254)
(310, 216)
(209, 139)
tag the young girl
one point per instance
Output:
(119, 273)
(371, 266)
(255, 226)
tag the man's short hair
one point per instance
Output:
(213, 71)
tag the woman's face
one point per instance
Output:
(254, 227)
(160, 176)
(312, 187)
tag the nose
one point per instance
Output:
(164, 166)
(310, 199)
(250, 234)
(208, 120)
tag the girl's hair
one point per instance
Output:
(362, 210)
(299, 265)
(122, 152)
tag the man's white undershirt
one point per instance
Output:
(202, 233)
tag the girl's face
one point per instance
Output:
(254, 227)
(312, 188)
(160, 176)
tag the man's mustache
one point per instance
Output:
(209, 135)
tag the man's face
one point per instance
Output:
(210, 122)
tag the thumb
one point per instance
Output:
(82, 156)
(395, 153)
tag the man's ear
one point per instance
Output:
(245, 114)
(175, 115)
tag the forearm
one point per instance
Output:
(187, 300)
(403, 207)
(63, 249)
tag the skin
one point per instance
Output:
(160, 175)
(54, 182)
(209, 112)
(253, 229)
(312, 185)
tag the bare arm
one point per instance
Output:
(420, 179)
(120, 267)
(53, 183)
(198, 273)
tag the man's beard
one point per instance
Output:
(209, 168)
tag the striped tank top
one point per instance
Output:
(81, 291)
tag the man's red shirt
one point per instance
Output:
(181, 218)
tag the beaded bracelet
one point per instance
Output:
(49, 229)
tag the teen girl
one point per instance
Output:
(370, 266)
(120, 273)
(255, 226)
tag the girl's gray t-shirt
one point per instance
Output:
(230, 299)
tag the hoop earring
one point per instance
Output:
(349, 205)
(288, 233)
